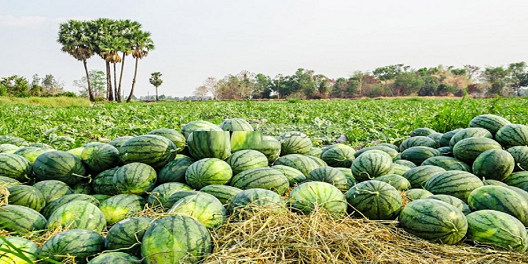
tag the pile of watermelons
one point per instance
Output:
(469, 184)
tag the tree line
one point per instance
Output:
(19, 86)
(392, 80)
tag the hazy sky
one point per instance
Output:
(201, 38)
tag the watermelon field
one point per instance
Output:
(405, 180)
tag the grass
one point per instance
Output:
(45, 101)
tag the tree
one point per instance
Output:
(76, 40)
(155, 79)
(14, 85)
(518, 76)
(52, 85)
(141, 45)
(263, 86)
(211, 84)
(496, 79)
(200, 92)
(97, 81)
(407, 83)
(472, 71)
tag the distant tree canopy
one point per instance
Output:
(19, 86)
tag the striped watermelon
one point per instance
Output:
(446, 137)
(76, 151)
(422, 131)
(447, 163)
(311, 196)
(399, 169)
(489, 121)
(390, 145)
(499, 198)
(59, 165)
(252, 199)
(78, 214)
(40, 145)
(153, 150)
(294, 142)
(100, 197)
(397, 181)
(512, 135)
(339, 156)
(318, 161)
(208, 171)
(79, 243)
(51, 207)
(31, 153)
(418, 141)
(209, 144)
(119, 141)
(241, 140)
(6, 181)
(406, 163)
(83, 187)
(392, 152)
(294, 175)
(176, 239)
(418, 154)
(452, 200)
(52, 189)
(126, 235)
(270, 147)
(198, 125)
(114, 258)
(15, 166)
(445, 151)
(434, 220)
(469, 132)
(518, 179)
(497, 229)
(27, 196)
(121, 206)
(315, 152)
(203, 207)
(417, 194)
(495, 164)
(175, 170)
(20, 219)
(17, 250)
(235, 124)
(100, 157)
(160, 194)
(175, 197)
(468, 149)
(371, 164)
(375, 200)
(246, 159)
(223, 193)
(103, 183)
(494, 182)
(8, 148)
(455, 183)
(329, 175)
(520, 155)
(171, 134)
(436, 137)
(300, 162)
(351, 181)
(4, 139)
(263, 178)
(135, 178)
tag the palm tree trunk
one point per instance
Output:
(121, 76)
(157, 99)
(90, 92)
(133, 82)
(116, 94)
(109, 91)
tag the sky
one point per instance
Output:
(213, 38)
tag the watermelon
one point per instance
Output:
(27, 196)
(499, 198)
(153, 150)
(417, 194)
(209, 144)
(160, 194)
(497, 229)
(241, 140)
(468, 149)
(392, 152)
(339, 156)
(489, 121)
(100, 197)
(447, 163)
(452, 200)
(520, 155)
(469, 132)
(121, 206)
(351, 181)
(246, 159)
(422, 131)
(418, 141)
(495, 164)
(17, 250)
(223, 193)
(31, 153)
(329, 175)
(15, 166)
(270, 147)
(390, 145)
(436, 137)
(294, 142)
(13, 140)
(198, 125)
(52, 189)
(175, 170)
(406, 163)
(8, 148)
(51, 207)
(251, 199)
(445, 151)
(173, 135)
(494, 182)
(119, 141)
(455, 183)
(126, 235)
(318, 161)
(518, 179)
(103, 183)
(77, 152)
(114, 258)
(59, 165)
(311, 196)
(135, 178)
(397, 181)
(293, 175)
(78, 214)
(512, 135)
(375, 200)
(399, 169)
(6, 181)
(315, 152)
(176, 196)
(235, 124)
(208, 171)
(176, 239)
(83, 187)
(100, 157)
(371, 164)
(263, 178)
(434, 220)
(300, 162)
(40, 145)
(20, 219)
(79, 243)
(419, 153)
(446, 137)
(203, 207)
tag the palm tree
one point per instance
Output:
(126, 28)
(76, 40)
(141, 45)
(104, 31)
(155, 79)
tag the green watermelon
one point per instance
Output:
(100, 157)
(311, 196)
(126, 235)
(20, 219)
(495, 164)
(499, 198)
(494, 182)
(489, 121)
(175, 170)
(119, 141)
(270, 147)
(198, 125)
(209, 144)
(15, 166)
(456, 183)
(114, 258)
(52, 206)
(329, 175)
(497, 229)
(78, 214)
(445, 151)
(518, 179)
(153, 150)
(121, 206)
(512, 135)
(52, 189)
(173, 135)
(351, 181)
(452, 200)
(446, 137)
(339, 156)
(315, 152)
(246, 159)
(447, 163)
(223, 193)
(176, 239)
(8, 148)
(392, 152)
(160, 194)
(422, 131)
(375, 200)
(294, 175)
(31, 153)
(397, 181)
(418, 154)
(469, 132)
(203, 207)
(434, 220)
(520, 155)
(103, 183)
(79, 243)
(370, 165)
(13, 140)
(27, 196)
(436, 137)
(241, 140)
(251, 199)
(235, 124)
(300, 162)
(17, 250)
(417, 194)
(418, 141)
(176, 196)
(406, 163)
(399, 169)
(6, 181)
(294, 142)
(59, 165)
(208, 171)
(83, 187)
(263, 178)
(100, 197)
(468, 149)
(76, 152)
(135, 178)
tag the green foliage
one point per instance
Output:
(14, 85)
